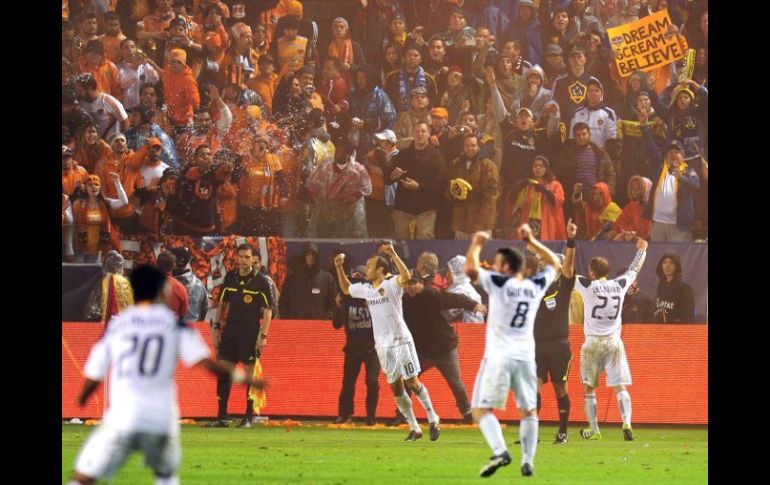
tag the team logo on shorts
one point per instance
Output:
(381, 291)
(247, 299)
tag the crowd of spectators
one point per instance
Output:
(416, 119)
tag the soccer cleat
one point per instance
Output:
(468, 418)
(518, 442)
(526, 470)
(561, 439)
(589, 434)
(396, 421)
(245, 423)
(371, 421)
(628, 433)
(218, 423)
(414, 435)
(343, 420)
(435, 431)
(494, 463)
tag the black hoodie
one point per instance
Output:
(308, 292)
(674, 299)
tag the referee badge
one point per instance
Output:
(247, 299)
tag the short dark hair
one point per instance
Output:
(249, 247)
(513, 257)
(334, 60)
(382, 263)
(291, 22)
(201, 147)
(88, 14)
(87, 81)
(111, 16)
(600, 266)
(580, 125)
(147, 282)
(166, 261)
(69, 96)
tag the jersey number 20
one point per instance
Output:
(149, 350)
(521, 315)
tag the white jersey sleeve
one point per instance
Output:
(485, 279)
(395, 289)
(98, 363)
(634, 268)
(357, 290)
(544, 278)
(192, 349)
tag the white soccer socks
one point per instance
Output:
(590, 409)
(172, 480)
(405, 406)
(528, 429)
(493, 433)
(624, 403)
(424, 397)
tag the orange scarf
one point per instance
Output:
(342, 49)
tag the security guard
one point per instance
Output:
(245, 298)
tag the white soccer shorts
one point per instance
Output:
(497, 376)
(399, 361)
(604, 354)
(107, 449)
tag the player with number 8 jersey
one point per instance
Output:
(603, 349)
(509, 354)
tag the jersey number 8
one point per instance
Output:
(521, 315)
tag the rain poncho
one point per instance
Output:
(461, 284)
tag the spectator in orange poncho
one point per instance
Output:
(599, 213)
(539, 202)
(92, 220)
(72, 174)
(631, 222)
(181, 89)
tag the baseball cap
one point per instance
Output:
(553, 50)
(386, 135)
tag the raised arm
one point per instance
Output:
(403, 270)
(636, 265)
(568, 269)
(472, 263)
(342, 278)
(548, 256)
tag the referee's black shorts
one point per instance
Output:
(553, 358)
(239, 343)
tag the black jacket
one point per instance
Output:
(308, 292)
(675, 298)
(433, 334)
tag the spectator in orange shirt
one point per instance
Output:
(152, 29)
(215, 34)
(92, 219)
(266, 82)
(177, 299)
(112, 37)
(181, 90)
(210, 126)
(127, 164)
(88, 26)
(104, 71)
(261, 191)
(200, 9)
(73, 175)
(90, 149)
(239, 65)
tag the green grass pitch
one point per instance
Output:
(320, 455)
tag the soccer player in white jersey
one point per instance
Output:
(392, 339)
(509, 353)
(603, 349)
(140, 348)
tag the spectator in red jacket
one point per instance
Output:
(177, 298)
(334, 93)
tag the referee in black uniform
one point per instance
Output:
(245, 299)
(552, 353)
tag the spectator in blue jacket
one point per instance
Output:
(370, 108)
(526, 29)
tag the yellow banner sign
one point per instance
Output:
(645, 44)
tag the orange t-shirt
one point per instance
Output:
(106, 74)
(292, 52)
(265, 88)
(112, 47)
(70, 177)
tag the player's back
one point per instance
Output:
(140, 347)
(513, 304)
(603, 303)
